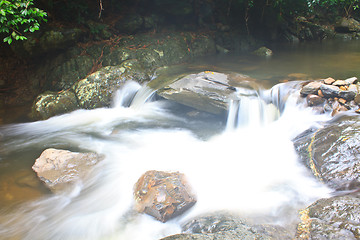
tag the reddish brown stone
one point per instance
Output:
(320, 94)
(344, 88)
(314, 100)
(342, 101)
(163, 195)
(329, 81)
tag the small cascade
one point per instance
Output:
(142, 96)
(250, 111)
(279, 94)
(126, 94)
(133, 95)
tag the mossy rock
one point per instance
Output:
(49, 104)
(98, 88)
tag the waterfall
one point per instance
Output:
(250, 111)
(126, 94)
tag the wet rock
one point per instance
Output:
(329, 91)
(351, 80)
(263, 51)
(339, 83)
(329, 81)
(163, 195)
(207, 91)
(98, 88)
(49, 104)
(333, 151)
(332, 218)
(314, 100)
(338, 109)
(311, 88)
(226, 226)
(338, 95)
(347, 95)
(60, 169)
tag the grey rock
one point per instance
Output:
(347, 95)
(351, 80)
(332, 218)
(329, 91)
(206, 91)
(311, 88)
(60, 169)
(229, 227)
(333, 151)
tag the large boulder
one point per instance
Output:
(207, 91)
(226, 226)
(333, 151)
(98, 88)
(333, 218)
(92, 92)
(163, 195)
(49, 104)
(60, 169)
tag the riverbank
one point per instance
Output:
(56, 58)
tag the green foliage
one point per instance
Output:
(344, 7)
(18, 17)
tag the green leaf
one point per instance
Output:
(8, 40)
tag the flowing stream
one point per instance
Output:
(244, 162)
(250, 168)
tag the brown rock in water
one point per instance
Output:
(314, 100)
(342, 101)
(163, 195)
(311, 88)
(320, 94)
(329, 81)
(59, 169)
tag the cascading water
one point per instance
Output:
(252, 171)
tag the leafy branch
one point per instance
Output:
(18, 17)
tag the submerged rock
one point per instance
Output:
(59, 169)
(226, 226)
(263, 51)
(333, 152)
(332, 218)
(163, 195)
(207, 91)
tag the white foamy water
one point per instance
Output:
(252, 170)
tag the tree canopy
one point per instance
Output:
(19, 17)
